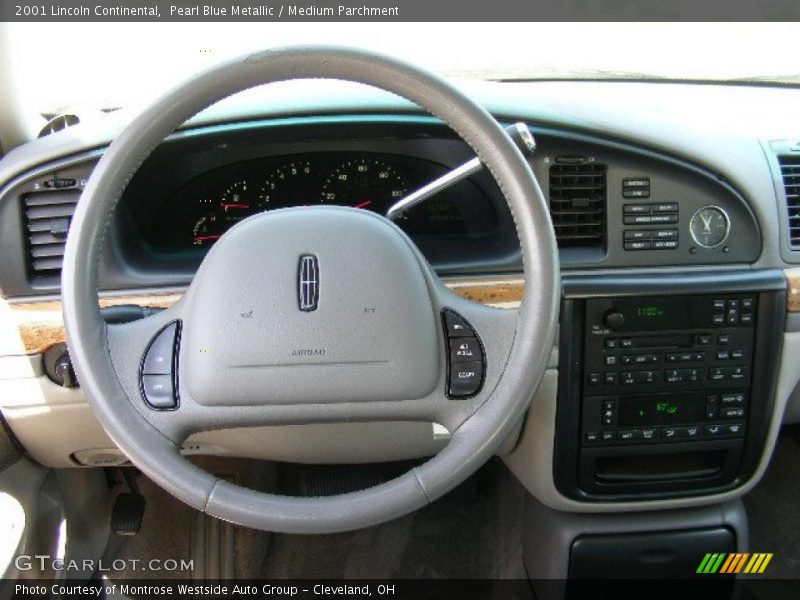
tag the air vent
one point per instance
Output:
(47, 218)
(58, 123)
(790, 170)
(578, 203)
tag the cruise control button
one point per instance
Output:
(465, 378)
(158, 360)
(465, 349)
(158, 391)
(456, 326)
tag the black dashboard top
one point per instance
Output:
(612, 204)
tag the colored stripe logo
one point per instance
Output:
(736, 562)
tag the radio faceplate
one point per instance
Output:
(667, 369)
(666, 383)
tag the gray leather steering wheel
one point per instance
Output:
(375, 347)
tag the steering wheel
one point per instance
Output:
(311, 315)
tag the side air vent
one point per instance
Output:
(790, 170)
(578, 203)
(47, 219)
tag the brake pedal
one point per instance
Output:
(128, 512)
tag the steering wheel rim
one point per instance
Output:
(156, 450)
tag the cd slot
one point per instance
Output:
(680, 340)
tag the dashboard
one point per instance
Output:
(673, 227)
(612, 204)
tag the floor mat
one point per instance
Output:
(473, 532)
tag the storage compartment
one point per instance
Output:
(599, 562)
(659, 467)
(651, 555)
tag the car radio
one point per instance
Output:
(666, 383)
(667, 369)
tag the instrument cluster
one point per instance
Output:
(202, 210)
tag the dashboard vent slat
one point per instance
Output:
(47, 218)
(578, 203)
(790, 171)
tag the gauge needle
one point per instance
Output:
(234, 206)
(205, 238)
(363, 204)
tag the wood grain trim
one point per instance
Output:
(497, 292)
(31, 327)
(792, 290)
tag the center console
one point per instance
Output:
(665, 384)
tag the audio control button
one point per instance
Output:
(732, 412)
(614, 319)
(732, 399)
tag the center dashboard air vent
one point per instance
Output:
(790, 171)
(47, 219)
(578, 202)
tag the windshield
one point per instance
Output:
(111, 65)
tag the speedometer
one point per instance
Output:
(366, 183)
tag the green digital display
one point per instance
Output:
(675, 409)
(650, 311)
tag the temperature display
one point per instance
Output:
(671, 409)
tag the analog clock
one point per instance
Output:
(710, 226)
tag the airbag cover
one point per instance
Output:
(372, 336)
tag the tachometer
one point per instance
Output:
(366, 183)
(235, 203)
